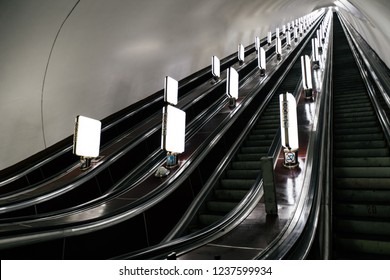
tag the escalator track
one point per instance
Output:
(361, 163)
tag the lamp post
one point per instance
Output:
(86, 140)
(289, 129)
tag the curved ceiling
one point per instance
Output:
(95, 57)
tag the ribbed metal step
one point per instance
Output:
(361, 164)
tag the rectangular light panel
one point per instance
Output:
(269, 38)
(278, 45)
(261, 59)
(288, 121)
(257, 43)
(232, 83)
(173, 130)
(171, 87)
(241, 53)
(215, 66)
(306, 72)
(86, 140)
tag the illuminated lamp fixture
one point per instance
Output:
(320, 50)
(232, 86)
(278, 46)
(173, 134)
(171, 88)
(288, 39)
(257, 44)
(261, 61)
(315, 55)
(241, 53)
(86, 140)
(269, 38)
(215, 69)
(300, 30)
(307, 77)
(289, 129)
(296, 34)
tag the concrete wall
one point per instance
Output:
(94, 57)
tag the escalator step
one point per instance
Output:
(353, 115)
(384, 152)
(232, 195)
(221, 206)
(361, 172)
(362, 130)
(360, 144)
(353, 120)
(258, 143)
(369, 195)
(361, 210)
(362, 183)
(254, 150)
(250, 157)
(246, 165)
(358, 137)
(242, 174)
(346, 125)
(361, 245)
(362, 226)
(362, 161)
(208, 219)
(242, 184)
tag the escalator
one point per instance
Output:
(244, 169)
(217, 210)
(126, 140)
(361, 163)
(59, 158)
(145, 228)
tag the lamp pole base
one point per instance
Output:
(85, 163)
(290, 159)
(172, 160)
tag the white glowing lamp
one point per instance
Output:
(315, 55)
(232, 83)
(241, 53)
(215, 67)
(173, 130)
(278, 46)
(306, 72)
(257, 43)
(171, 87)
(288, 121)
(288, 38)
(261, 61)
(269, 38)
(86, 140)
